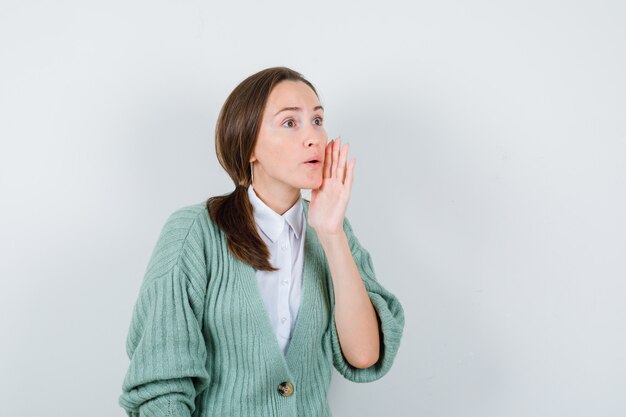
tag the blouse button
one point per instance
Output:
(285, 389)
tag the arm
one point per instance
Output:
(367, 320)
(389, 314)
(354, 314)
(165, 344)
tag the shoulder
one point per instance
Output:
(190, 222)
(182, 239)
(182, 222)
(184, 218)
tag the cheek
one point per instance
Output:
(275, 157)
(278, 153)
(283, 160)
(266, 147)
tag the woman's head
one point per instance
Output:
(272, 122)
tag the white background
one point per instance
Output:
(490, 184)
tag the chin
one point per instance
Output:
(314, 184)
(307, 182)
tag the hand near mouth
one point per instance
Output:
(329, 202)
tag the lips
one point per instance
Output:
(314, 163)
(314, 159)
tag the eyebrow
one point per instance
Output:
(298, 109)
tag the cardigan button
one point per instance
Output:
(285, 389)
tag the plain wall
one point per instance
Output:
(489, 188)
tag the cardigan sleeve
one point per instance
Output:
(390, 316)
(165, 344)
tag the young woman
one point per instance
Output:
(251, 298)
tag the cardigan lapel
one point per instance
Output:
(312, 273)
(311, 269)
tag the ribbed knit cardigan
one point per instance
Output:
(201, 344)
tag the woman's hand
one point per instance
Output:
(355, 316)
(329, 202)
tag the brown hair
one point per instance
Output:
(236, 133)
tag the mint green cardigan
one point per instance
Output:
(201, 344)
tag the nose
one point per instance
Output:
(311, 142)
(315, 137)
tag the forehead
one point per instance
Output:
(292, 94)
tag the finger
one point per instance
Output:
(335, 159)
(341, 165)
(327, 159)
(350, 174)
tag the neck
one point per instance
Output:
(278, 199)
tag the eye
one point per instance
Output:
(320, 121)
(290, 121)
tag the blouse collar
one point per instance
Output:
(272, 223)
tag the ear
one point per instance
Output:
(252, 158)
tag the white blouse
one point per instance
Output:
(281, 290)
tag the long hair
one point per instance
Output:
(236, 133)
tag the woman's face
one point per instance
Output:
(290, 137)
